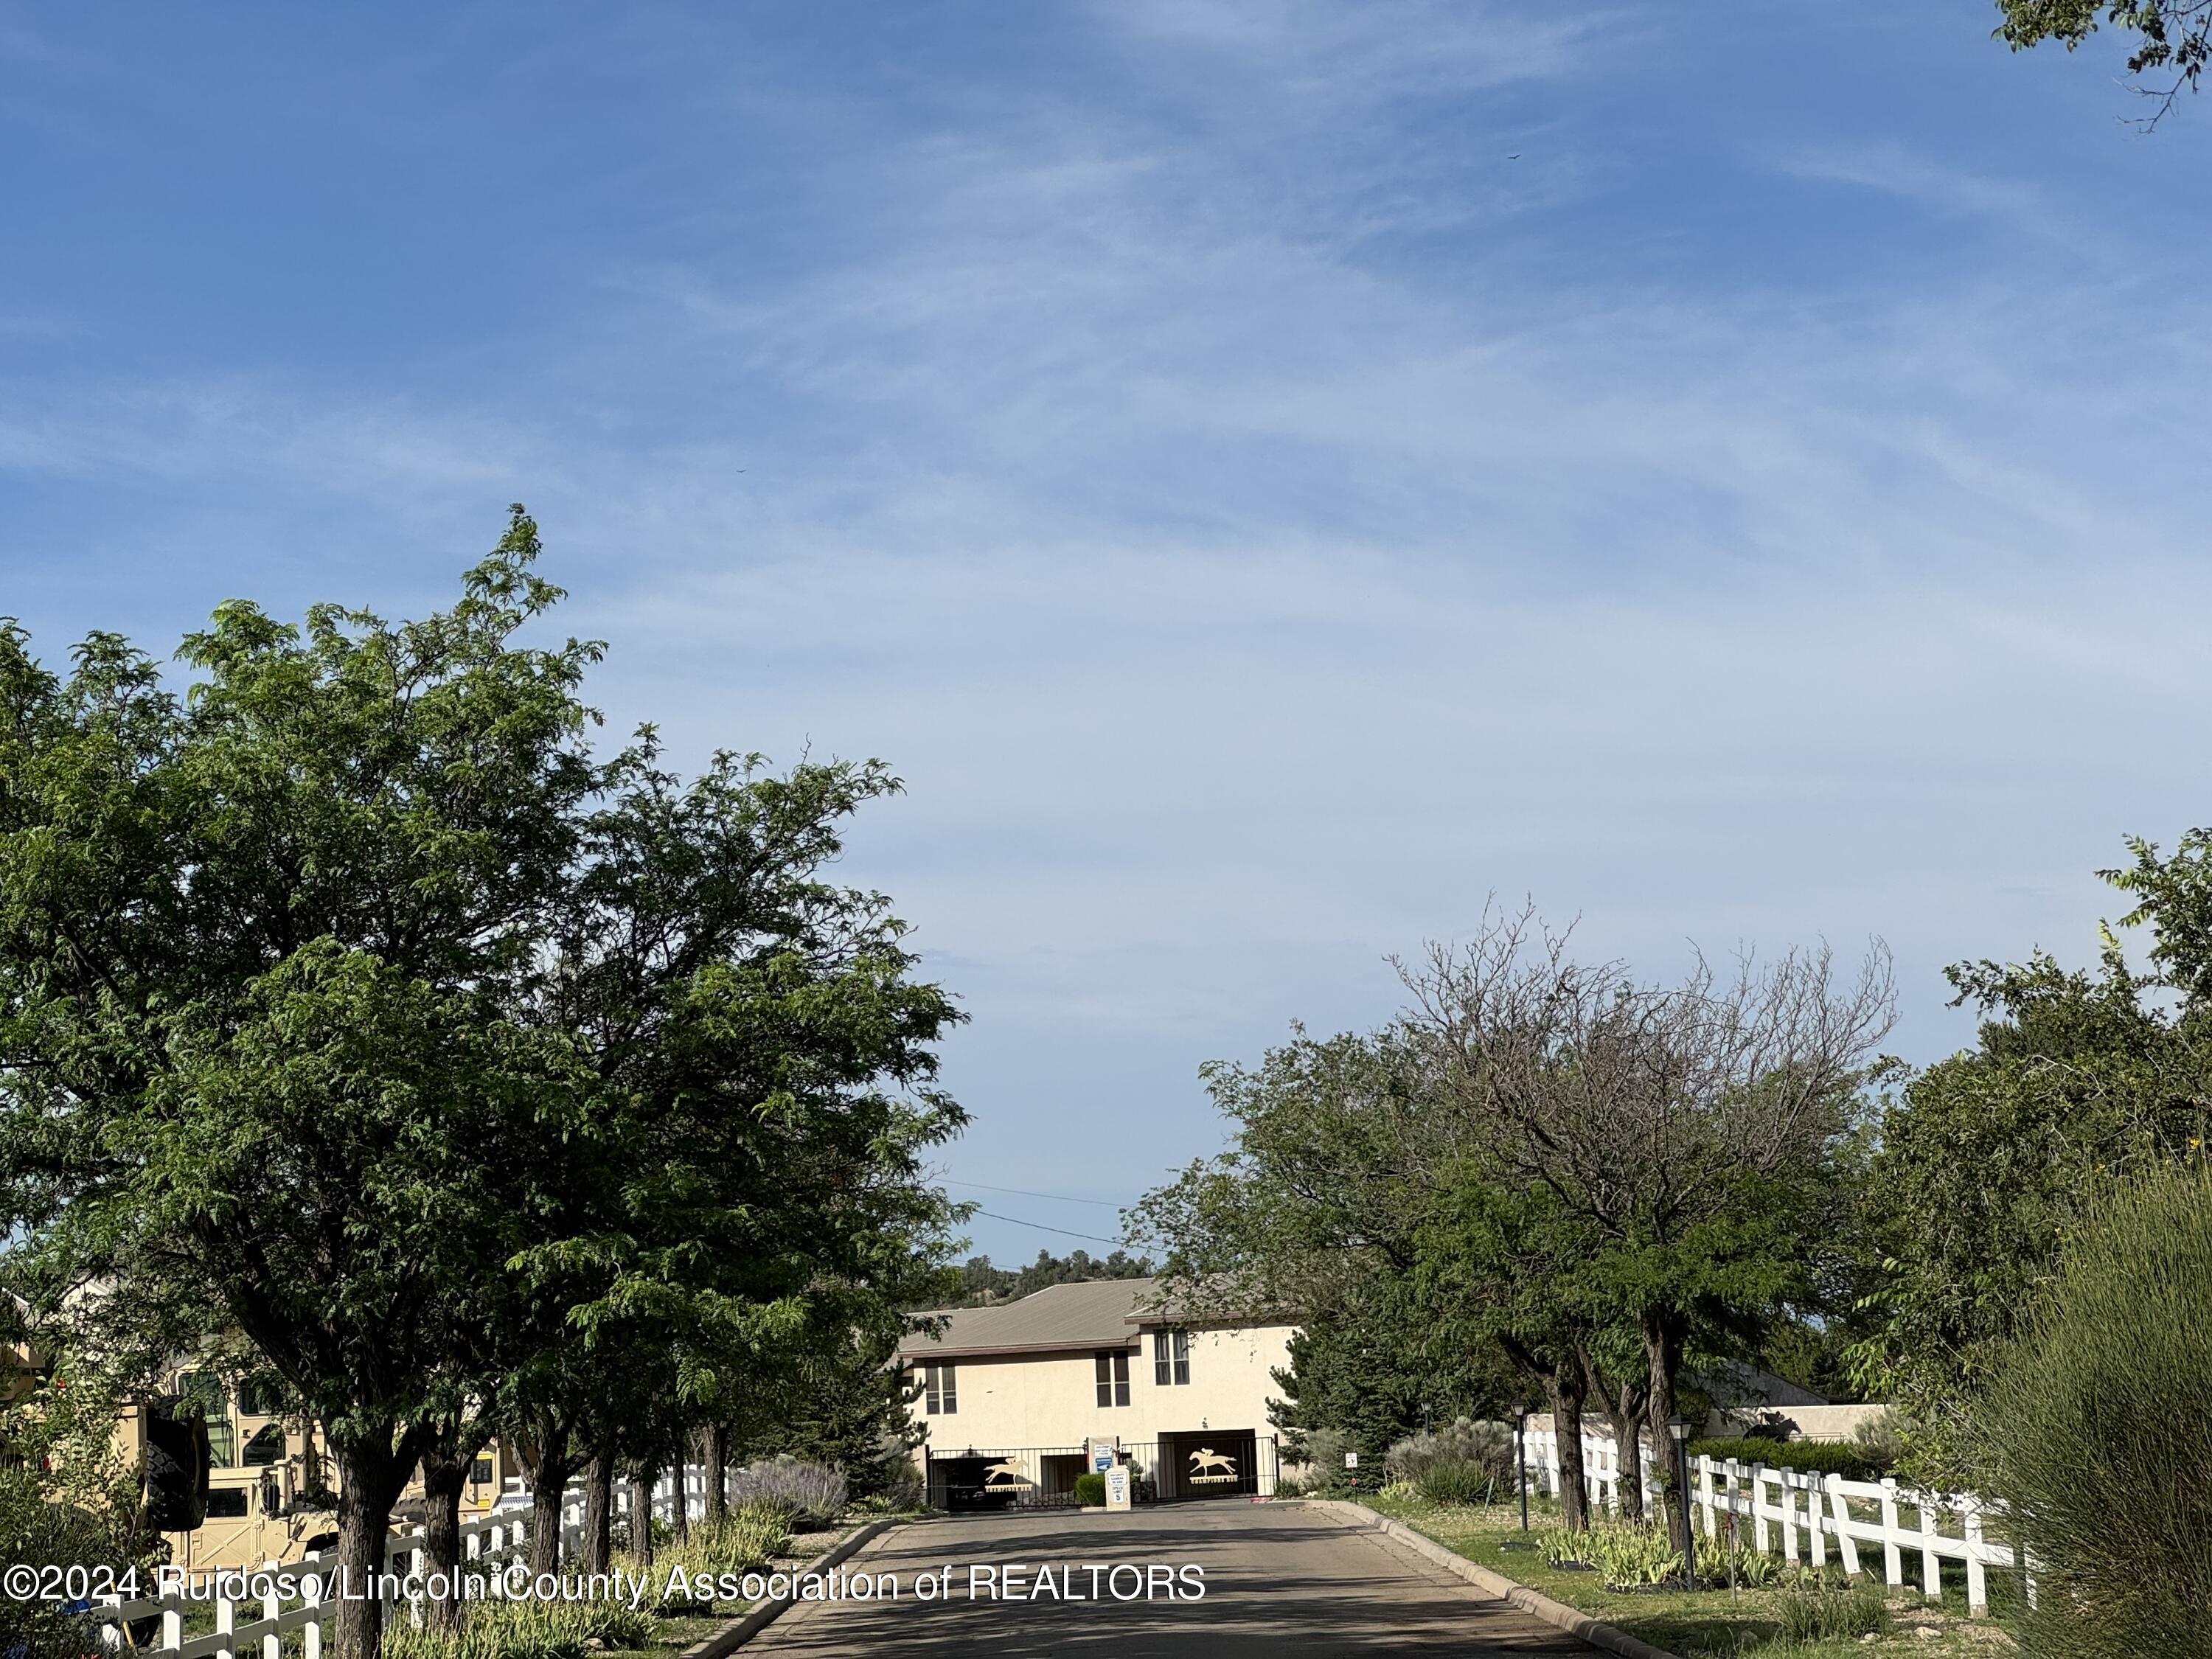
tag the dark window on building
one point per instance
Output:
(939, 1393)
(1113, 1378)
(255, 1399)
(203, 1392)
(226, 1501)
(1170, 1358)
(480, 1471)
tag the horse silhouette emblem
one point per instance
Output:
(1008, 1472)
(1206, 1458)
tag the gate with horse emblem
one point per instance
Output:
(1177, 1468)
(1215, 1463)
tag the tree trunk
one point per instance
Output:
(640, 1514)
(546, 1457)
(1628, 1458)
(718, 1470)
(680, 1478)
(600, 1505)
(1567, 1387)
(1623, 1409)
(370, 1474)
(445, 1471)
(1662, 1344)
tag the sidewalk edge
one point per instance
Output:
(1595, 1631)
(746, 1626)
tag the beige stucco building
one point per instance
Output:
(1009, 1396)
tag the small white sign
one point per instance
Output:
(1352, 1460)
(1099, 1453)
(1117, 1486)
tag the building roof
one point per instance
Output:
(1098, 1313)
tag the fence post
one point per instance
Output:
(272, 1644)
(1978, 1579)
(1788, 1514)
(226, 1620)
(311, 1633)
(1893, 1557)
(1931, 1565)
(1846, 1546)
(1759, 1472)
(173, 1626)
(1816, 1528)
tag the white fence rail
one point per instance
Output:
(1826, 1515)
(244, 1623)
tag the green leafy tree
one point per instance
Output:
(1990, 1160)
(1702, 1133)
(253, 1070)
(2172, 39)
(1317, 1209)
(762, 1075)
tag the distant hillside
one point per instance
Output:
(982, 1284)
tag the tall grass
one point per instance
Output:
(522, 1630)
(2098, 1432)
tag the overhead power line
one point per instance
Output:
(1024, 1192)
(1042, 1228)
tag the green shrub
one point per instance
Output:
(1817, 1609)
(812, 1495)
(1846, 1458)
(1091, 1489)
(1454, 1482)
(1631, 1553)
(1560, 1548)
(1485, 1444)
(743, 1539)
(522, 1630)
(2093, 1431)
(1755, 1568)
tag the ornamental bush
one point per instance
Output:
(1091, 1489)
(1846, 1458)
(1451, 1481)
(1488, 1446)
(810, 1495)
(2094, 1432)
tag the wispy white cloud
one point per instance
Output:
(1895, 169)
(1260, 522)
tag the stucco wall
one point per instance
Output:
(1051, 1400)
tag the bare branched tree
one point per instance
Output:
(1673, 1119)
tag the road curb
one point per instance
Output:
(746, 1626)
(1595, 1631)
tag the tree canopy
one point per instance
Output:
(352, 1008)
(2171, 40)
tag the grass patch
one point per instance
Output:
(1796, 1616)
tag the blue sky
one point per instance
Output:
(1259, 515)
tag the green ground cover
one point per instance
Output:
(1704, 1624)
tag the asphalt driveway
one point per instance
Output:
(1277, 1579)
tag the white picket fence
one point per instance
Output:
(495, 1540)
(1829, 1514)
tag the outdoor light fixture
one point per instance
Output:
(1521, 1455)
(1678, 1428)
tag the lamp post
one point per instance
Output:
(1678, 1428)
(1520, 1455)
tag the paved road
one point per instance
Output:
(1278, 1581)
